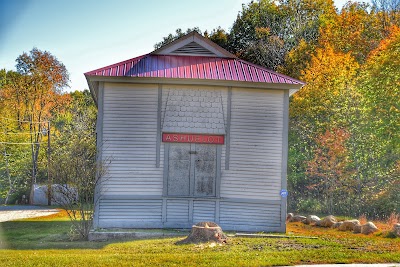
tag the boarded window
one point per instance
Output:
(192, 170)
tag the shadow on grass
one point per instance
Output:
(38, 235)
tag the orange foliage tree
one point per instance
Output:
(33, 95)
(330, 170)
(326, 102)
(355, 30)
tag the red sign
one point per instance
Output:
(193, 138)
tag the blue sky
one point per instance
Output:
(89, 34)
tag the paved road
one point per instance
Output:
(15, 212)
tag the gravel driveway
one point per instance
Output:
(15, 212)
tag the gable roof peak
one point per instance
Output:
(193, 44)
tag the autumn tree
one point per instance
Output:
(330, 171)
(328, 101)
(388, 12)
(354, 30)
(33, 96)
(14, 152)
(379, 151)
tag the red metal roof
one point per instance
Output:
(193, 67)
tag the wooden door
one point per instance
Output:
(192, 170)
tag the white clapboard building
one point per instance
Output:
(193, 134)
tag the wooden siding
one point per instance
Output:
(249, 190)
(178, 211)
(253, 216)
(130, 138)
(255, 145)
(130, 213)
(204, 211)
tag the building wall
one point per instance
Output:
(251, 161)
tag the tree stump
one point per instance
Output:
(204, 232)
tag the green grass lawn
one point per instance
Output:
(45, 242)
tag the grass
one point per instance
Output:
(44, 242)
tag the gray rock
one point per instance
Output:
(328, 221)
(357, 229)
(348, 225)
(337, 224)
(369, 228)
(311, 219)
(297, 218)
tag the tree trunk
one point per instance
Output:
(205, 232)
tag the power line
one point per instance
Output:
(34, 133)
(4, 118)
(28, 143)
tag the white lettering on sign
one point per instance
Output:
(193, 138)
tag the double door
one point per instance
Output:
(192, 170)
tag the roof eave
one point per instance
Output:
(93, 88)
(179, 81)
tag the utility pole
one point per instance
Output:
(49, 183)
(11, 184)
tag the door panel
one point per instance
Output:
(179, 170)
(192, 170)
(205, 170)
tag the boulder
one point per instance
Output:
(297, 218)
(328, 221)
(396, 229)
(369, 228)
(357, 229)
(311, 219)
(348, 225)
(337, 224)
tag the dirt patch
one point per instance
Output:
(285, 245)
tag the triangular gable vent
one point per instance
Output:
(193, 48)
(193, 44)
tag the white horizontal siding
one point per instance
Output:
(178, 211)
(131, 210)
(130, 140)
(256, 136)
(249, 216)
(203, 211)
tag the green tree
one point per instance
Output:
(172, 37)
(218, 36)
(258, 36)
(75, 170)
(379, 152)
